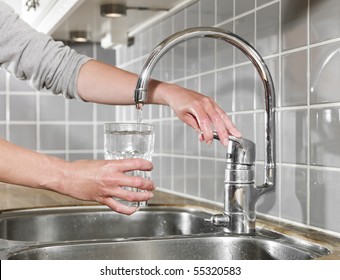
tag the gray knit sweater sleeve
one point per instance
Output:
(36, 57)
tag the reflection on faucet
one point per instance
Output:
(241, 193)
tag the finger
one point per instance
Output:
(131, 195)
(229, 125)
(191, 120)
(126, 195)
(200, 136)
(224, 127)
(135, 182)
(119, 207)
(131, 164)
(205, 126)
(223, 135)
(207, 132)
(220, 128)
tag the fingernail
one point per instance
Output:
(226, 142)
(151, 195)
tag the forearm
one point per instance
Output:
(27, 168)
(102, 83)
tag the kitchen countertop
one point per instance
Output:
(13, 197)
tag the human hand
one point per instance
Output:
(102, 181)
(203, 114)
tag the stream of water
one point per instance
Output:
(139, 113)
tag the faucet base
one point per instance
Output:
(241, 223)
(237, 223)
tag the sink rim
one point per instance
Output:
(88, 209)
(314, 251)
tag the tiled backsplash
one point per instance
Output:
(300, 40)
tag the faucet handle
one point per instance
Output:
(239, 150)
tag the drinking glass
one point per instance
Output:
(129, 140)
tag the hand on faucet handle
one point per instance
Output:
(203, 114)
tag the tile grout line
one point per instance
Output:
(94, 117)
(7, 107)
(37, 117)
(308, 221)
(279, 119)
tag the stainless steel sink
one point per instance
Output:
(152, 233)
(89, 223)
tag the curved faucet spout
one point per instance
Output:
(229, 37)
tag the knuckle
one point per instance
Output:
(130, 196)
(197, 103)
(118, 209)
(108, 181)
(225, 116)
(146, 196)
(138, 182)
(152, 186)
(206, 103)
(215, 116)
(208, 100)
(148, 186)
(101, 200)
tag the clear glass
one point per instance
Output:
(129, 140)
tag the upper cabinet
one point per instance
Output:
(61, 18)
(47, 15)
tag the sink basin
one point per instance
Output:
(155, 232)
(193, 248)
(89, 223)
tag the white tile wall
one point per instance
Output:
(300, 40)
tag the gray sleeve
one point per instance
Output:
(36, 57)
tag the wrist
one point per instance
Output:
(55, 174)
(161, 92)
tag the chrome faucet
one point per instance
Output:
(240, 191)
